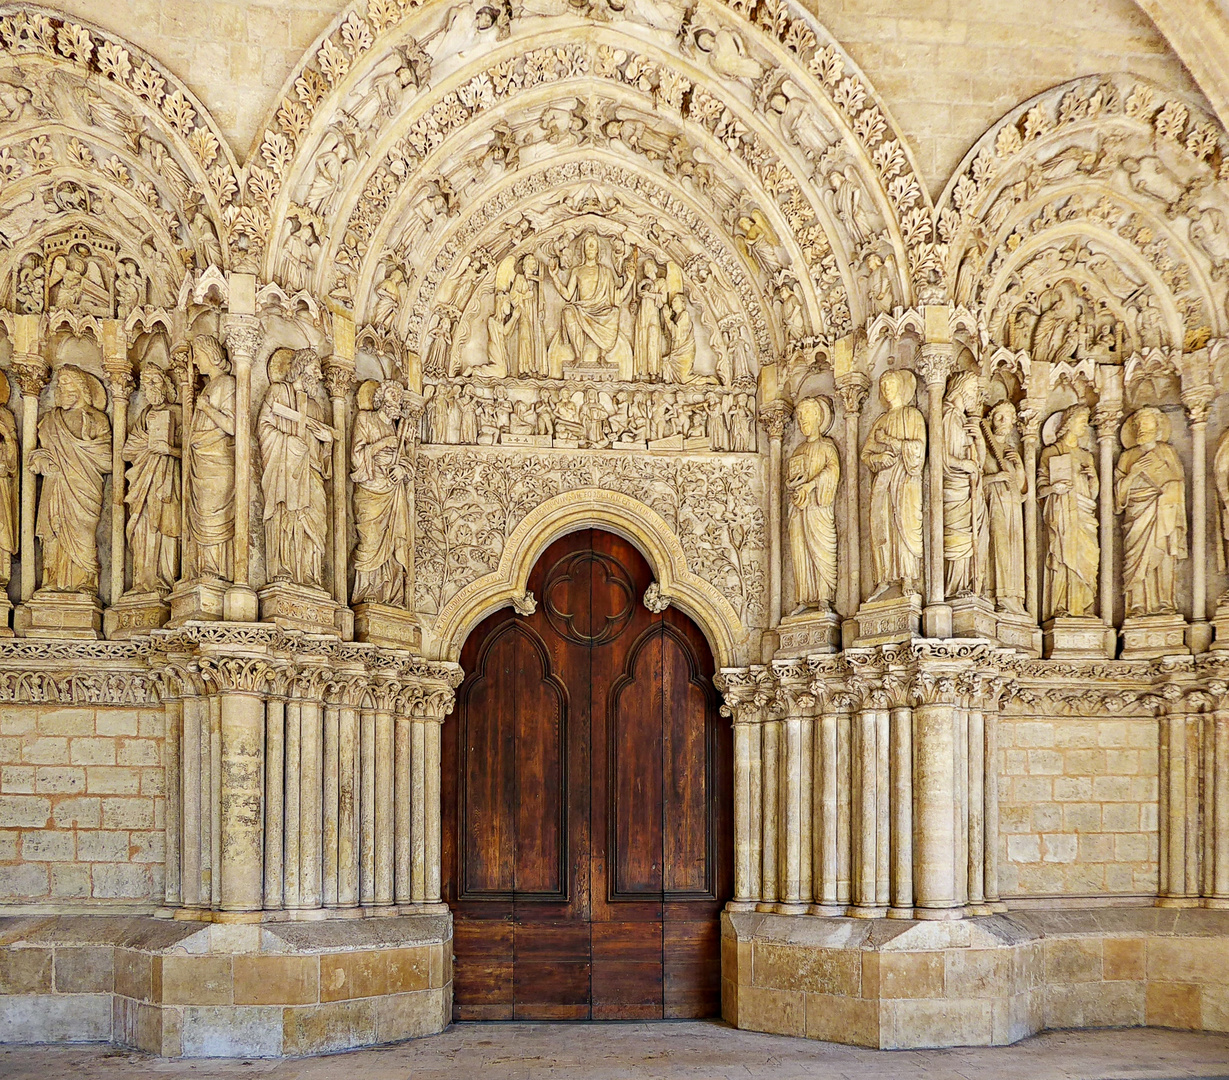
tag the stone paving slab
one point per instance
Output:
(664, 1051)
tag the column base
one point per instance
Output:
(197, 601)
(1199, 637)
(299, 607)
(1145, 637)
(240, 604)
(973, 617)
(809, 632)
(937, 621)
(136, 613)
(384, 624)
(1019, 631)
(889, 619)
(1085, 638)
(49, 614)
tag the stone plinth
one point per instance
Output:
(1084, 638)
(50, 614)
(1145, 637)
(298, 607)
(383, 624)
(1019, 632)
(809, 632)
(197, 601)
(182, 989)
(973, 617)
(987, 981)
(136, 613)
(894, 618)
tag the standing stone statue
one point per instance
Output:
(894, 452)
(1220, 473)
(295, 450)
(1006, 482)
(1068, 487)
(152, 497)
(525, 295)
(965, 538)
(74, 457)
(811, 477)
(10, 475)
(1150, 493)
(648, 344)
(381, 475)
(211, 463)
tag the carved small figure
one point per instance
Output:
(894, 452)
(812, 476)
(965, 539)
(1150, 493)
(593, 417)
(680, 361)
(525, 296)
(380, 471)
(152, 497)
(648, 344)
(1068, 487)
(1006, 482)
(73, 457)
(294, 447)
(211, 463)
(742, 424)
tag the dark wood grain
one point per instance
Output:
(587, 802)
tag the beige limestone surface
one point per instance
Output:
(667, 1050)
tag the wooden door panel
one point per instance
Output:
(586, 852)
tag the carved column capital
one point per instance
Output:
(339, 374)
(31, 372)
(853, 388)
(935, 362)
(120, 380)
(241, 333)
(775, 417)
(1198, 402)
(1107, 418)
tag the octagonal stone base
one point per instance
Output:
(986, 981)
(222, 990)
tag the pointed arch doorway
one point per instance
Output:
(587, 802)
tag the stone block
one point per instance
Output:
(842, 1019)
(24, 880)
(232, 1031)
(71, 880)
(780, 1012)
(338, 1025)
(945, 1022)
(411, 1016)
(276, 980)
(911, 975)
(55, 1018)
(1072, 960)
(81, 813)
(978, 973)
(86, 969)
(1094, 1004)
(25, 971)
(1123, 958)
(408, 970)
(135, 976)
(196, 980)
(59, 780)
(1174, 1005)
(121, 881)
(352, 975)
(25, 811)
(48, 845)
(806, 968)
(1189, 960)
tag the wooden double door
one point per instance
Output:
(587, 802)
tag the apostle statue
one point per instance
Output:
(1150, 493)
(589, 331)
(1067, 485)
(10, 474)
(295, 450)
(153, 447)
(1220, 473)
(811, 478)
(525, 295)
(679, 364)
(1005, 482)
(894, 452)
(74, 457)
(648, 343)
(965, 538)
(380, 471)
(211, 463)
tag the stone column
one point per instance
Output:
(991, 791)
(1217, 809)
(348, 788)
(331, 806)
(431, 795)
(384, 786)
(1198, 394)
(1179, 806)
(746, 892)
(292, 804)
(275, 803)
(774, 415)
(367, 806)
(310, 793)
(935, 718)
(1031, 423)
(871, 831)
(853, 386)
(827, 811)
(242, 332)
(31, 372)
(935, 364)
(173, 764)
(1107, 418)
(118, 369)
(770, 734)
(902, 811)
(402, 796)
(339, 372)
(241, 802)
(795, 804)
